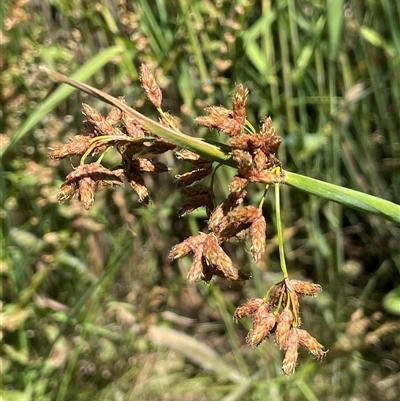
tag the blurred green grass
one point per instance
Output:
(85, 297)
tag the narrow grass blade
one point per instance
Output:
(335, 24)
(348, 197)
(84, 73)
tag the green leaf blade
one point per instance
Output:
(345, 196)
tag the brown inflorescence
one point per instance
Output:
(136, 145)
(209, 259)
(278, 313)
(82, 182)
(254, 153)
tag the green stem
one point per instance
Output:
(279, 229)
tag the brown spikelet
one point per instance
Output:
(285, 320)
(218, 218)
(291, 347)
(160, 146)
(76, 146)
(147, 165)
(219, 261)
(94, 170)
(197, 196)
(237, 184)
(94, 117)
(196, 270)
(83, 180)
(271, 145)
(248, 308)
(133, 128)
(258, 237)
(267, 127)
(199, 172)
(278, 293)
(244, 161)
(66, 191)
(86, 192)
(305, 287)
(136, 181)
(265, 176)
(245, 215)
(218, 111)
(188, 155)
(239, 220)
(260, 159)
(263, 323)
(150, 86)
(239, 104)
(249, 142)
(221, 123)
(115, 114)
(311, 344)
(189, 245)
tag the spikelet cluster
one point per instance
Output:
(256, 161)
(254, 152)
(226, 221)
(278, 313)
(136, 145)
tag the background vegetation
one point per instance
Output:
(91, 307)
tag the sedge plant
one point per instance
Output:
(252, 152)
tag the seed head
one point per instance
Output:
(263, 322)
(284, 324)
(291, 347)
(86, 191)
(189, 245)
(115, 114)
(197, 196)
(188, 155)
(237, 184)
(67, 190)
(196, 270)
(218, 111)
(305, 287)
(76, 146)
(239, 104)
(258, 237)
(311, 344)
(147, 165)
(132, 126)
(219, 262)
(137, 183)
(248, 308)
(267, 127)
(198, 173)
(150, 86)
(94, 117)
(225, 124)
